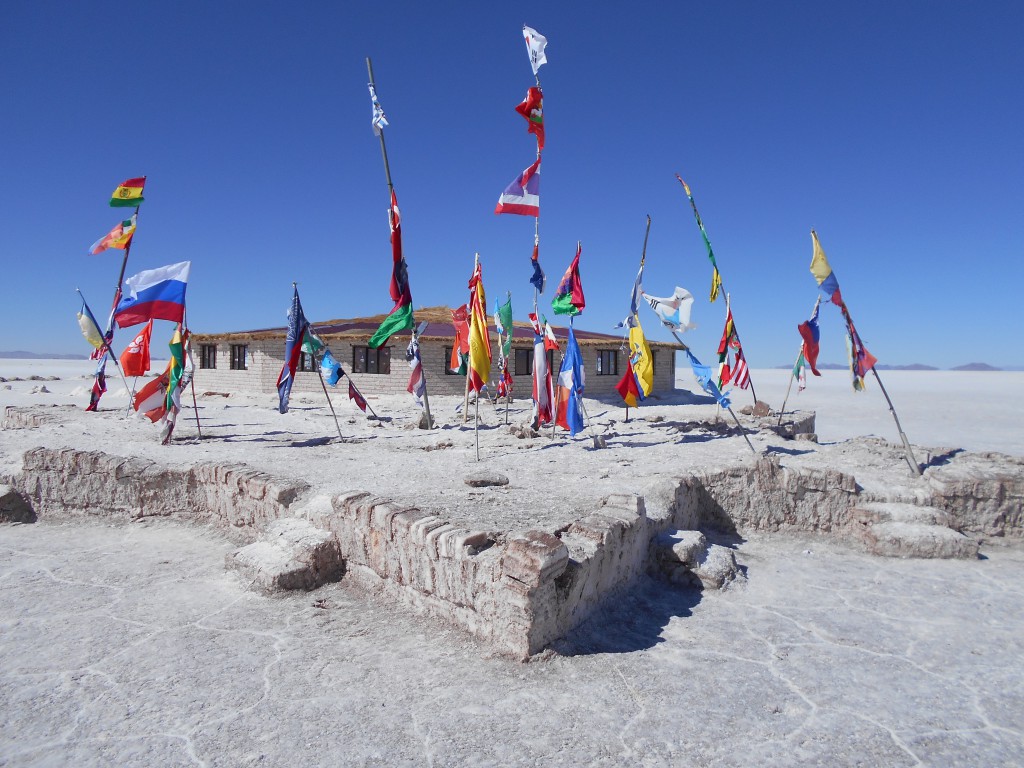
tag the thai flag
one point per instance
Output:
(154, 294)
(522, 196)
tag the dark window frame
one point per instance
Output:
(307, 363)
(604, 356)
(208, 356)
(371, 361)
(239, 357)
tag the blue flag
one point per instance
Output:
(706, 379)
(297, 327)
(571, 380)
(331, 368)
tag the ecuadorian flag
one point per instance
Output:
(128, 194)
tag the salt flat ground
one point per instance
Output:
(131, 645)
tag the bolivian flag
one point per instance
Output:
(129, 194)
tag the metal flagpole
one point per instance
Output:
(391, 190)
(643, 258)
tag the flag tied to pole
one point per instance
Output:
(571, 381)
(135, 358)
(297, 327)
(119, 237)
(479, 336)
(822, 271)
(535, 45)
(539, 279)
(522, 195)
(400, 318)
(154, 294)
(638, 381)
(543, 390)
(704, 377)
(460, 349)
(810, 333)
(532, 109)
(128, 194)
(674, 311)
(716, 278)
(737, 373)
(378, 121)
(331, 368)
(569, 299)
(417, 383)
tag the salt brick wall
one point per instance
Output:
(266, 357)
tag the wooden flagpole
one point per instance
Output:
(789, 388)
(721, 283)
(391, 190)
(731, 412)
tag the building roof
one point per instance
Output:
(439, 328)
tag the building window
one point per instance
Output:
(367, 360)
(524, 361)
(207, 355)
(239, 353)
(654, 361)
(607, 362)
(307, 362)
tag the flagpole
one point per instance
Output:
(106, 345)
(643, 258)
(734, 416)
(353, 384)
(911, 460)
(800, 352)
(720, 282)
(469, 364)
(391, 191)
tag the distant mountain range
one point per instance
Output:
(22, 355)
(911, 367)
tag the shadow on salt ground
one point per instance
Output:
(942, 458)
(632, 623)
(787, 451)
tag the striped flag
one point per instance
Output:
(119, 237)
(522, 196)
(378, 121)
(543, 391)
(417, 384)
(129, 193)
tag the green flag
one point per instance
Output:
(503, 322)
(399, 320)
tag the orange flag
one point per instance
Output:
(135, 358)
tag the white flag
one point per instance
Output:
(379, 121)
(535, 45)
(675, 310)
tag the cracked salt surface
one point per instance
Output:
(130, 645)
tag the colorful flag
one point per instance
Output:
(151, 400)
(90, 328)
(417, 383)
(861, 361)
(539, 280)
(503, 324)
(177, 366)
(128, 194)
(460, 349)
(154, 294)
(674, 312)
(400, 318)
(716, 278)
(330, 368)
(532, 108)
(737, 372)
(119, 237)
(479, 336)
(535, 45)
(569, 299)
(297, 325)
(378, 121)
(522, 195)
(543, 390)
(99, 384)
(355, 397)
(704, 377)
(571, 381)
(800, 372)
(822, 271)
(135, 358)
(634, 300)
(550, 342)
(638, 382)
(810, 333)
(311, 343)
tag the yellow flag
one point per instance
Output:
(820, 267)
(716, 284)
(479, 336)
(641, 359)
(89, 330)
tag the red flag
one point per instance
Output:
(152, 398)
(135, 358)
(532, 108)
(354, 396)
(627, 386)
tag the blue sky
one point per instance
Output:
(894, 129)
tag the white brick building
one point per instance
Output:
(250, 361)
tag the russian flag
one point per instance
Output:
(154, 294)
(522, 196)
